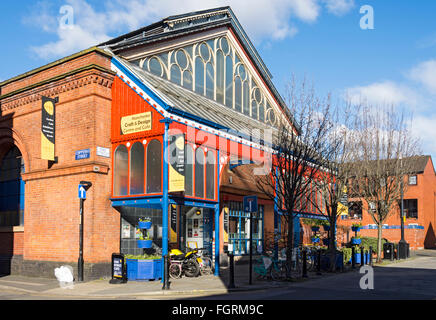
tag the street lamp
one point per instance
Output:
(402, 244)
(83, 187)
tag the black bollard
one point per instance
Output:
(231, 271)
(304, 264)
(392, 251)
(353, 258)
(362, 256)
(318, 263)
(166, 283)
(370, 256)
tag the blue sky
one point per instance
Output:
(321, 39)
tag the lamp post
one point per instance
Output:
(402, 244)
(83, 187)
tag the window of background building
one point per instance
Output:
(413, 180)
(410, 208)
(355, 210)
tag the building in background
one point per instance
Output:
(419, 209)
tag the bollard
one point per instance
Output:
(318, 263)
(166, 282)
(304, 264)
(392, 251)
(362, 256)
(353, 259)
(231, 271)
(370, 256)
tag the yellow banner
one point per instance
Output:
(48, 128)
(136, 123)
(177, 163)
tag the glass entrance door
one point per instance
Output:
(196, 225)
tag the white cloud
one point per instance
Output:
(264, 20)
(339, 7)
(425, 73)
(381, 93)
(424, 128)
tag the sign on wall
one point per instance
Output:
(177, 163)
(136, 123)
(48, 128)
(83, 154)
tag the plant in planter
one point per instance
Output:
(143, 267)
(356, 227)
(144, 242)
(144, 223)
(315, 239)
(356, 240)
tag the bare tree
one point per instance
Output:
(331, 183)
(298, 157)
(383, 140)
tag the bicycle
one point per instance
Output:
(267, 268)
(206, 264)
(175, 270)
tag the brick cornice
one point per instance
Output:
(90, 74)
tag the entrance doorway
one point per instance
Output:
(196, 227)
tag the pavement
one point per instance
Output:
(197, 287)
(102, 289)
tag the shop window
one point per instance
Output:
(210, 175)
(154, 166)
(410, 208)
(137, 168)
(239, 228)
(11, 189)
(121, 170)
(199, 173)
(189, 171)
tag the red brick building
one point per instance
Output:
(419, 209)
(195, 76)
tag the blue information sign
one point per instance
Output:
(250, 204)
(82, 192)
(83, 154)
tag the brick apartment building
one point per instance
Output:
(419, 209)
(110, 112)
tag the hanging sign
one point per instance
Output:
(177, 163)
(48, 128)
(173, 223)
(136, 123)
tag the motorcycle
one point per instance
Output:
(190, 261)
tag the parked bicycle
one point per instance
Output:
(206, 263)
(268, 268)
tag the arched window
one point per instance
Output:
(12, 189)
(120, 170)
(199, 173)
(189, 171)
(154, 166)
(210, 175)
(137, 168)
